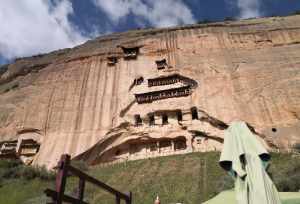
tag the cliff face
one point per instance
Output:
(97, 100)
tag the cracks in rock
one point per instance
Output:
(131, 86)
(257, 92)
(29, 130)
(213, 121)
(124, 125)
(264, 137)
(237, 66)
(98, 149)
(126, 109)
(213, 68)
(197, 133)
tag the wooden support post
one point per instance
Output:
(61, 177)
(80, 190)
(118, 200)
(129, 200)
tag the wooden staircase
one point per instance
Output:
(64, 170)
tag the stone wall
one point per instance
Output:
(245, 70)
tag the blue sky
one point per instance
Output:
(30, 27)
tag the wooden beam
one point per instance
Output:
(62, 176)
(129, 198)
(80, 190)
(90, 179)
(118, 200)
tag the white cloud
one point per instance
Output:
(36, 26)
(159, 13)
(249, 8)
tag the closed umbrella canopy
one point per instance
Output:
(246, 159)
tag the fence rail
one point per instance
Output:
(64, 169)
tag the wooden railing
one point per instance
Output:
(64, 169)
(149, 97)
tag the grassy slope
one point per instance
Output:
(181, 178)
(175, 178)
(18, 191)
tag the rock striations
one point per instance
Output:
(154, 92)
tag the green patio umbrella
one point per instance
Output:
(246, 159)
(228, 197)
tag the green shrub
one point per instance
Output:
(14, 169)
(46, 175)
(30, 172)
(7, 163)
(289, 179)
(9, 169)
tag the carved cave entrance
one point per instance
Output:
(144, 149)
(130, 52)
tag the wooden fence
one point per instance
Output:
(64, 169)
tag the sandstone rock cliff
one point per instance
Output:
(157, 91)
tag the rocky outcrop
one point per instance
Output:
(78, 100)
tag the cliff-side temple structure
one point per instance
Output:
(154, 92)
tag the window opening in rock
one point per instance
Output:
(130, 53)
(161, 64)
(111, 61)
(28, 147)
(180, 144)
(118, 152)
(138, 120)
(138, 81)
(199, 140)
(151, 119)
(164, 119)
(179, 115)
(194, 113)
(164, 144)
(153, 147)
(133, 149)
(274, 130)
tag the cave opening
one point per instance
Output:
(118, 152)
(138, 81)
(161, 64)
(179, 115)
(138, 120)
(151, 119)
(180, 144)
(130, 53)
(112, 61)
(164, 119)
(194, 113)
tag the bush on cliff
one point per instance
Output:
(14, 169)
